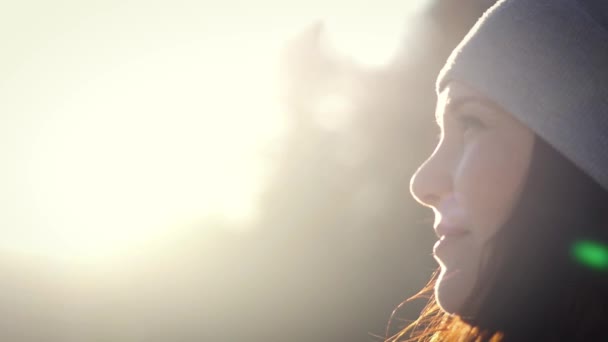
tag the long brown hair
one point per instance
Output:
(533, 288)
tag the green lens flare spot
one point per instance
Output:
(591, 254)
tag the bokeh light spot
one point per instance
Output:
(591, 254)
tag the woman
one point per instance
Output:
(519, 180)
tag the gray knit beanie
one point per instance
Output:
(545, 62)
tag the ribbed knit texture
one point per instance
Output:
(545, 62)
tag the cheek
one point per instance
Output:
(487, 182)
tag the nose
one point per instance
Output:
(433, 180)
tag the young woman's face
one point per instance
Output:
(471, 181)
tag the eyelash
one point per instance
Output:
(470, 122)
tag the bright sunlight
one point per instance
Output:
(122, 121)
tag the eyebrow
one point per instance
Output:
(454, 104)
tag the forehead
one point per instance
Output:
(457, 89)
(457, 95)
(454, 94)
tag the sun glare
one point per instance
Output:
(118, 126)
(370, 33)
(126, 140)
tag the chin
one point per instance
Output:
(451, 290)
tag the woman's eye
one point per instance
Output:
(470, 123)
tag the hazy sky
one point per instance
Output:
(121, 119)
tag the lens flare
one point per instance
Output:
(591, 254)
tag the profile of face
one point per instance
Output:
(471, 182)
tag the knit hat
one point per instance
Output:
(545, 62)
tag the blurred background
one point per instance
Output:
(216, 171)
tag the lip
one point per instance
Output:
(449, 246)
(450, 231)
